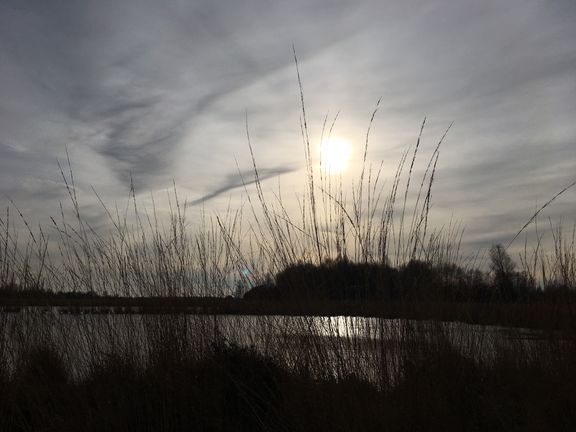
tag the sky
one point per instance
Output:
(160, 93)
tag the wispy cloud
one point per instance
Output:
(241, 180)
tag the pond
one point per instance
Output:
(340, 346)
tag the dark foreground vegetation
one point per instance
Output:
(238, 389)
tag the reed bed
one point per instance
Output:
(175, 372)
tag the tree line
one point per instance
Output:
(417, 280)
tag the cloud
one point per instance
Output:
(138, 73)
(241, 180)
(149, 91)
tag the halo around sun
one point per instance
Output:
(334, 154)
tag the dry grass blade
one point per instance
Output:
(535, 215)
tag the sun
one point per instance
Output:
(334, 154)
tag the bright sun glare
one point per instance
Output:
(334, 154)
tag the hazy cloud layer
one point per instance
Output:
(155, 91)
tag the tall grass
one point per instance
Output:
(177, 372)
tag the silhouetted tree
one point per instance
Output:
(503, 271)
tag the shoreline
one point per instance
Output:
(542, 316)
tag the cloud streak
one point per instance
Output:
(241, 180)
